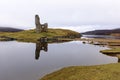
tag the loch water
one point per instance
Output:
(31, 61)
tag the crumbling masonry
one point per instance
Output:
(40, 27)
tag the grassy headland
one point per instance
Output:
(32, 36)
(111, 51)
(99, 72)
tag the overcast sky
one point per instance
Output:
(60, 13)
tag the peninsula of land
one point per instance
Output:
(33, 35)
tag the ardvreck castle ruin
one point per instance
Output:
(40, 27)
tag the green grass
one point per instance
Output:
(32, 36)
(3, 39)
(112, 51)
(100, 72)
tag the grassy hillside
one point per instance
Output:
(32, 36)
(100, 72)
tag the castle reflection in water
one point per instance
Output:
(43, 45)
(40, 46)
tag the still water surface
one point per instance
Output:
(101, 36)
(22, 61)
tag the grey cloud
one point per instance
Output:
(59, 12)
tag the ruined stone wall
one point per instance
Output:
(40, 27)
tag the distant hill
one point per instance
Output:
(103, 32)
(9, 29)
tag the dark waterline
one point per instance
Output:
(22, 61)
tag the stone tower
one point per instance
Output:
(40, 27)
